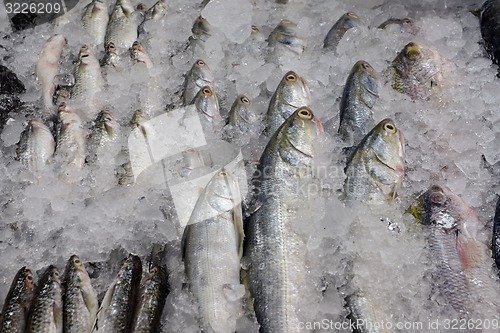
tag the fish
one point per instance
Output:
(95, 20)
(418, 71)
(212, 249)
(122, 26)
(346, 22)
(407, 24)
(89, 80)
(489, 18)
(201, 29)
(104, 130)
(367, 315)
(361, 92)
(291, 93)
(117, 308)
(242, 114)
(463, 261)
(70, 138)
(46, 314)
(36, 146)
(286, 35)
(199, 75)
(275, 255)
(495, 244)
(47, 69)
(139, 55)
(79, 299)
(375, 170)
(157, 12)
(207, 105)
(14, 316)
(111, 57)
(154, 292)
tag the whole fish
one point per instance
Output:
(463, 261)
(207, 105)
(242, 114)
(291, 93)
(111, 57)
(46, 314)
(123, 24)
(286, 35)
(198, 76)
(139, 55)
(117, 308)
(417, 71)
(490, 28)
(95, 20)
(347, 21)
(375, 170)
(276, 255)
(212, 248)
(14, 314)
(358, 99)
(89, 80)
(79, 299)
(70, 144)
(47, 69)
(152, 299)
(36, 146)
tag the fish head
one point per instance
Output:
(109, 123)
(202, 74)
(206, 103)
(130, 268)
(245, 109)
(53, 275)
(223, 192)
(368, 76)
(201, 27)
(301, 129)
(387, 143)
(293, 90)
(435, 207)
(351, 20)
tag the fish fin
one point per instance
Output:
(233, 292)
(469, 251)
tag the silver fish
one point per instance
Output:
(80, 298)
(139, 55)
(46, 314)
(212, 247)
(275, 253)
(198, 76)
(375, 170)
(291, 93)
(70, 146)
(117, 308)
(17, 303)
(201, 29)
(36, 146)
(358, 99)
(111, 57)
(286, 35)
(207, 105)
(122, 27)
(95, 20)
(242, 114)
(347, 21)
(89, 80)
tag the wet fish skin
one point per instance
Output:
(358, 99)
(111, 57)
(157, 12)
(347, 21)
(286, 34)
(46, 314)
(490, 28)
(139, 55)
(364, 310)
(117, 308)
(123, 24)
(375, 170)
(95, 20)
(242, 114)
(275, 253)
(199, 75)
(47, 69)
(212, 247)
(70, 138)
(207, 105)
(89, 80)
(407, 24)
(154, 292)
(79, 299)
(291, 93)
(36, 146)
(417, 71)
(201, 29)
(13, 318)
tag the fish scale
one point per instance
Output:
(17, 304)
(276, 254)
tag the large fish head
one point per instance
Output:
(351, 20)
(207, 103)
(293, 90)
(301, 129)
(75, 265)
(223, 192)
(201, 27)
(244, 109)
(387, 143)
(368, 76)
(24, 285)
(202, 74)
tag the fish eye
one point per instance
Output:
(291, 77)
(77, 261)
(136, 44)
(405, 20)
(29, 277)
(255, 29)
(207, 92)
(223, 173)
(365, 65)
(437, 198)
(412, 51)
(200, 62)
(305, 114)
(389, 127)
(245, 100)
(56, 273)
